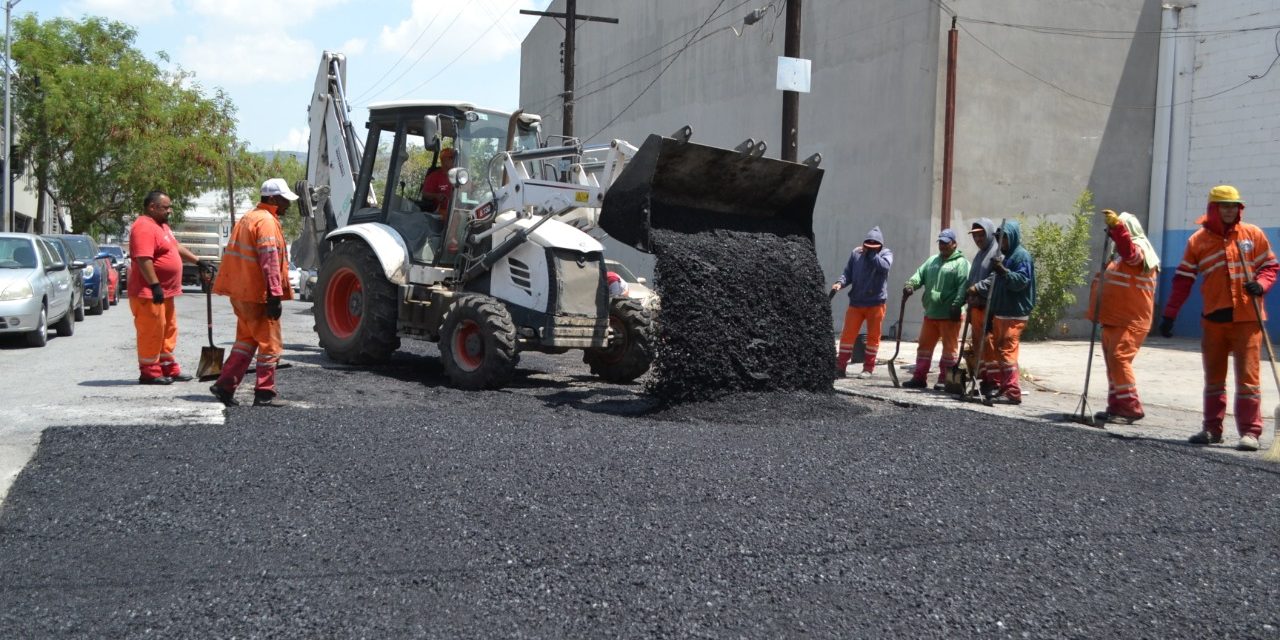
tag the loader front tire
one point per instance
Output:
(631, 343)
(355, 307)
(478, 343)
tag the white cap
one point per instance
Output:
(278, 187)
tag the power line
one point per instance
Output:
(655, 78)
(464, 51)
(401, 59)
(424, 54)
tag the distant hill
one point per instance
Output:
(300, 156)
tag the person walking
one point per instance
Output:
(255, 276)
(1220, 250)
(155, 280)
(866, 275)
(942, 277)
(1124, 310)
(981, 276)
(1012, 299)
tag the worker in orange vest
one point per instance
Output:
(1124, 311)
(1219, 251)
(255, 275)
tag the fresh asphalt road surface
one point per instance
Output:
(386, 504)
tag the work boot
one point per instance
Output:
(1117, 418)
(1247, 443)
(268, 399)
(180, 377)
(940, 386)
(160, 380)
(863, 375)
(227, 398)
(1002, 398)
(915, 383)
(1204, 437)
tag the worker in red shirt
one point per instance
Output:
(1220, 250)
(255, 275)
(436, 188)
(155, 279)
(1124, 311)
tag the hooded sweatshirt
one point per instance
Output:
(866, 275)
(1015, 292)
(980, 269)
(1214, 251)
(943, 281)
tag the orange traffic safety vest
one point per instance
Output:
(1218, 259)
(240, 274)
(1128, 294)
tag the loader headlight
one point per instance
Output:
(459, 176)
(17, 291)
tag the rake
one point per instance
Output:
(1273, 454)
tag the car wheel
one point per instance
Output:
(40, 336)
(66, 325)
(79, 312)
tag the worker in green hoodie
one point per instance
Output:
(944, 278)
(1012, 299)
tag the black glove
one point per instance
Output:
(157, 293)
(998, 267)
(1166, 327)
(1254, 288)
(204, 266)
(907, 291)
(273, 307)
(956, 312)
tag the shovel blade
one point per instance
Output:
(957, 380)
(893, 374)
(210, 363)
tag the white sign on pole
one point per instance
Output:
(793, 74)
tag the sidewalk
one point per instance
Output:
(1170, 383)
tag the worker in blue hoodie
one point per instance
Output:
(1012, 299)
(866, 276)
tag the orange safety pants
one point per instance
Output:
(1119, 347)
(156, 326)
(1243, 342)
(933, 330)
(255, 332)
(854, 317)
(1007, 337)
(984, 369)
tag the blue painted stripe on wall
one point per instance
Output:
(1188, 323)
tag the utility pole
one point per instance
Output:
(949, 126)
(791, 99)
(571, 18)
(5, 196)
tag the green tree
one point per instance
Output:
(102, 125)
(1061, 254)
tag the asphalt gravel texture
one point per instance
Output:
(389, 505)
(742, 311)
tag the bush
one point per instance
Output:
(1061, 255)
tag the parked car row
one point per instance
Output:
(52, 281)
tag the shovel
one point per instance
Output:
(1083, 414)
(893, 369)
(957, 379)
(210, 357)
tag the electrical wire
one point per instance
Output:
(401, 59)
(424, 54)
(460, 55)
(660, 73)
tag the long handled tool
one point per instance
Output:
(957, 378)
(210, 357)
(893, 369)
(1083, 414)
(981, 332)
(1273, 454)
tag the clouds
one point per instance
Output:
(249, 59)
(295, 140)
(450, 27)
(131, 11)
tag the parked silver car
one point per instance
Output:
(35, 288)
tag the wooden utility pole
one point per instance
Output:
(571, 18)
(791, 99)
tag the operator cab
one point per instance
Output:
(405, 139)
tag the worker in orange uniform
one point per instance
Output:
(866, 275)
(436, 188)
(1219, 250)
(981, 279)
(255, 276)
(1012, 298)
(155, 279)
(942, 277)
(1124, 311)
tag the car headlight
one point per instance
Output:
(88, 272)
(17, 291)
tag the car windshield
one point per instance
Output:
(82, 246)
(17, 253)
(116, 252)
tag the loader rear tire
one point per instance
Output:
(355, 307)
(478, 343)
(631, 345)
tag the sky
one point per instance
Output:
(265, 53)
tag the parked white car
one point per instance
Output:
(35, 288)
(637, 287)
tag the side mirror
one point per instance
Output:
(437, 128)
(77, 265)
(57, 266)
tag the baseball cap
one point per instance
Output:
(278, 187)
(947, 235)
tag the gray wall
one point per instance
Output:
(875, 112)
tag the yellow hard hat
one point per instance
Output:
(1224, 193)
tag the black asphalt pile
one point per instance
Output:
(742, 311)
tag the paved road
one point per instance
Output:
(389, 505)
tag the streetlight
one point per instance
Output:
(5, 196)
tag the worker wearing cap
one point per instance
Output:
(1221, 250)
(436, 188)
(981, 277)
(942, 278)
(1124, 310)
(1012, 298)
(255, 275)
(866, 275)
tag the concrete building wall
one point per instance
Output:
(1231, 128)
(875, 111)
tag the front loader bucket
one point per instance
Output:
(686, 187)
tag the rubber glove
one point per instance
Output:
(157, 293)
(1166, 327)
(273, 307)
(1112, 217)
(1254, 288)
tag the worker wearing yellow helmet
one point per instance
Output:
(1237, 265)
